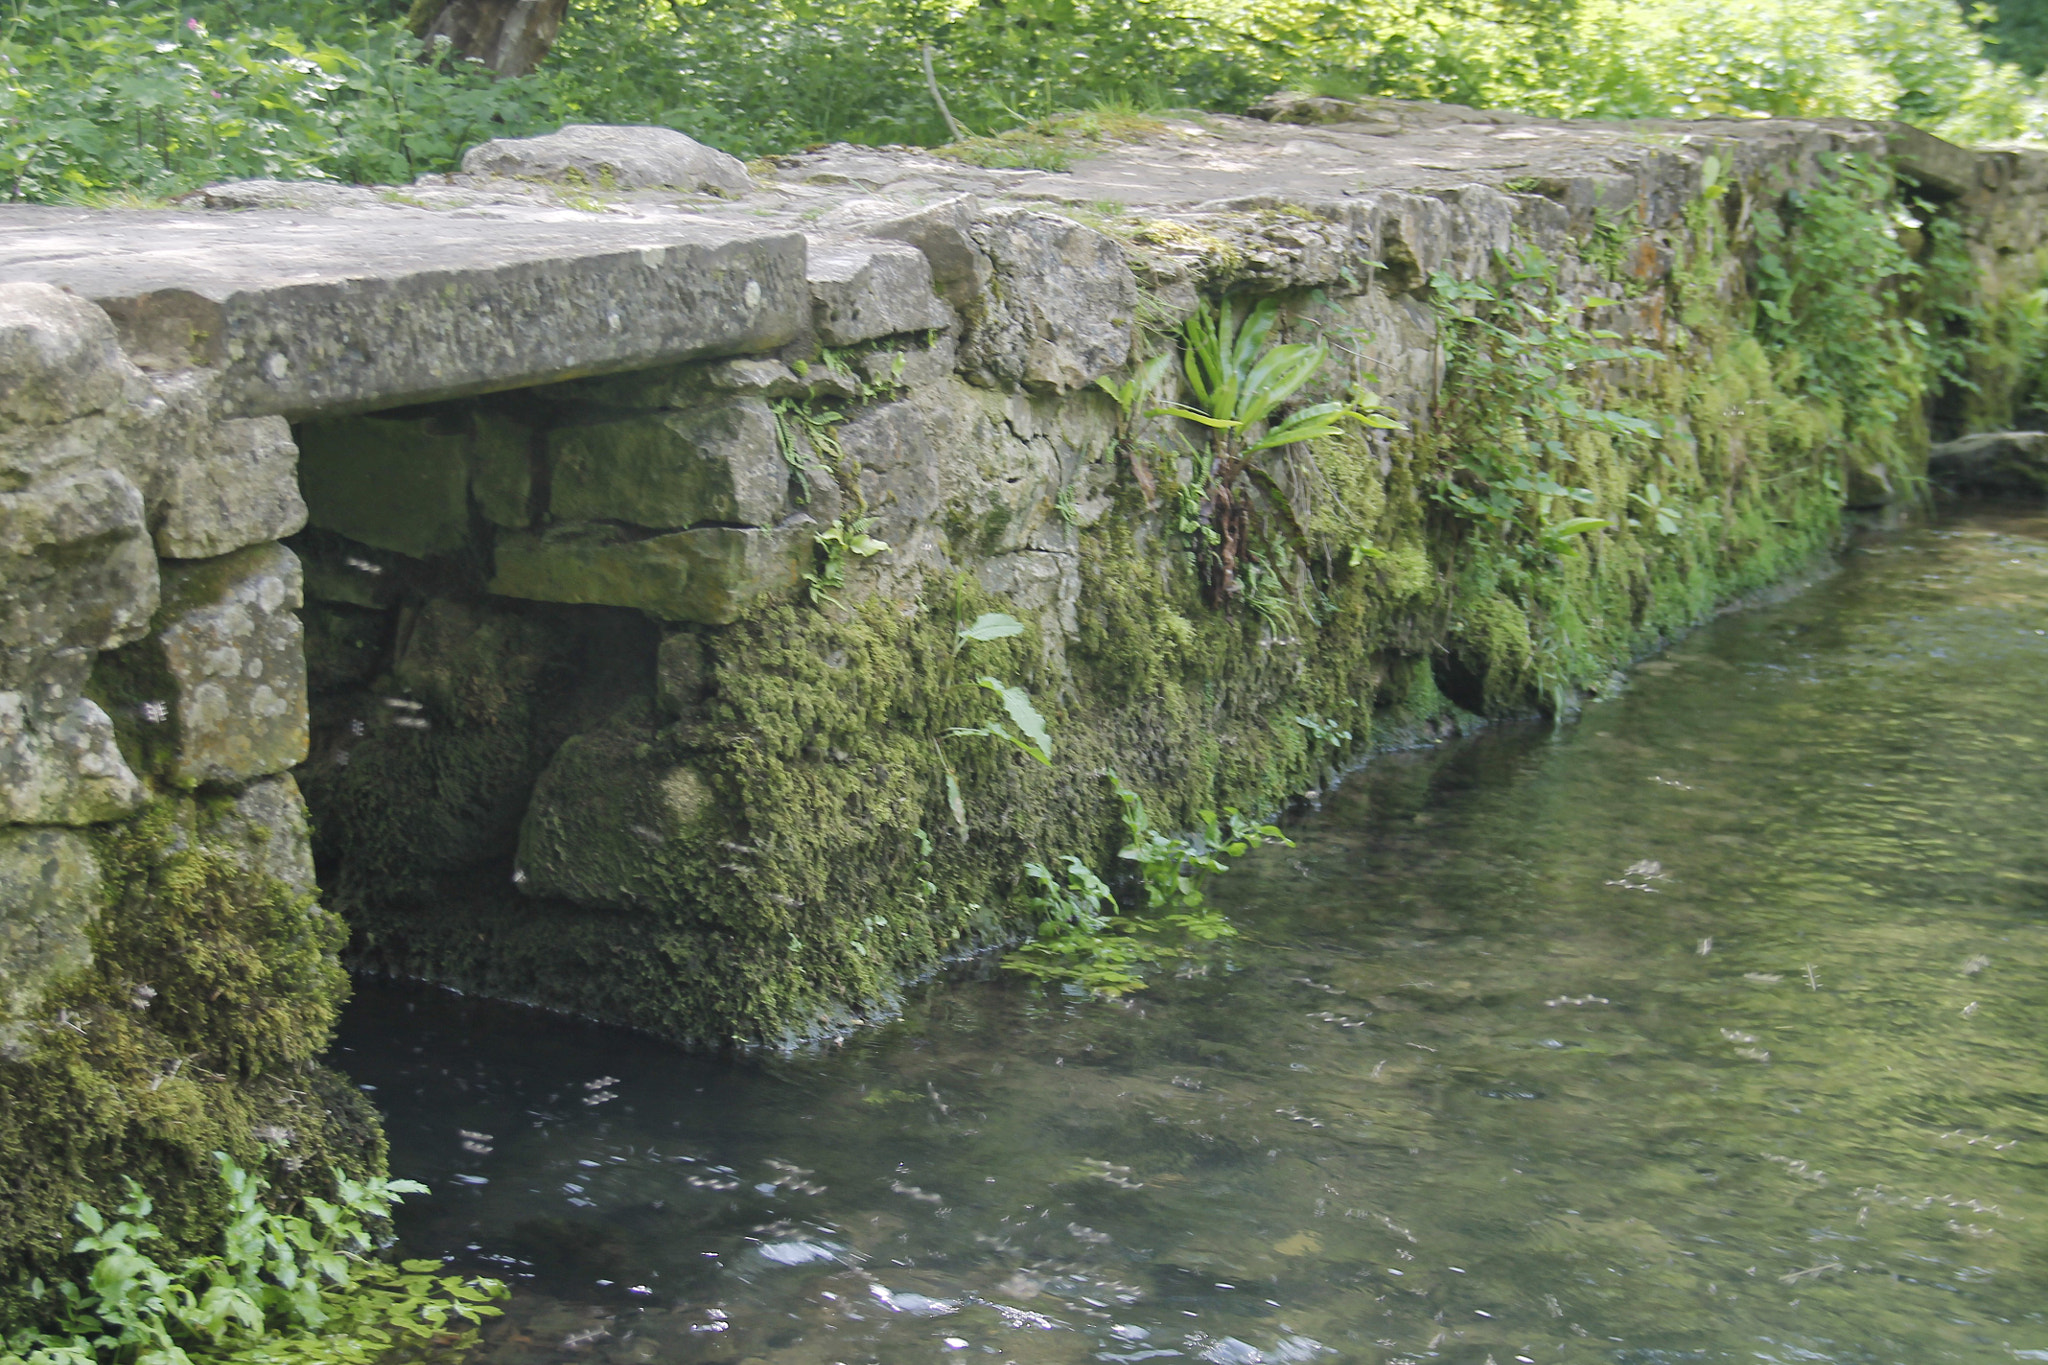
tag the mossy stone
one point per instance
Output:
(709, 575)
(718, 463)
(397, 484)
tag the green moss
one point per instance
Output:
(770, 851)
(211, 991)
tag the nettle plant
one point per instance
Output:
(281, 1287)
(1526, 371)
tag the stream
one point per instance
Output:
(1712, 1027)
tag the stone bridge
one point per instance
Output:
(497, 514)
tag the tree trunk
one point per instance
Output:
(508, 36)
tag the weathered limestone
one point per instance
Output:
(865, 290)
(709, 575)
(599, 156)
(283, 306)
(240, 486)
(718, 463)
(1993, 463)
(227, 645)
(1062, 306)
(49, 894)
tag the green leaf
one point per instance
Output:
(990, 625)
(1017, 702)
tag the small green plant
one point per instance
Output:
(1086, 938)
(1238, 383)
(838, 545)
(808, 442)
(990, 625)
(281, 1287)
(1329, 731)
(1035, 741)
(1664, 512)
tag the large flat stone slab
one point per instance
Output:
(305, 313)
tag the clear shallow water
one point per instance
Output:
(1480, 1083)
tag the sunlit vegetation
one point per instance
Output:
(101, 99)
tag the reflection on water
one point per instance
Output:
(1708, 1029)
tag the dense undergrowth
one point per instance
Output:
(103, 98)
(305, 1287)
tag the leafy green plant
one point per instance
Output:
(1525, 373)
(809, 445)
(1237, 384)
(280, 1287)
(838, 545)
(1664, 512)
(1032, 740)
(990, 625)
(1329, 731)
(1088, 939)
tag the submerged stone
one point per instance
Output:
(1999, 463)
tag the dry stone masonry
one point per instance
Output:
(505, 515)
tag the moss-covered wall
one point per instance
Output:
(734, 822)
(603, 695)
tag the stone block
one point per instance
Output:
(501, 460)
(709, 575)
(607, 824)
(76, 567)
(49, 895)
(1997, 463)
(265, 830)
(242, 490)
(396, 483)
(942, 231)
(899, 473)
(229, 644)
(601, 156)
(366, 310)
(59, 357)
(1059, 310)
(863, 290)
(720, 463)
(59, 762)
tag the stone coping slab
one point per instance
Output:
(321, 298)
(305, 311)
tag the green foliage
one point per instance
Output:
(144, 96)
(1528, 371)
(1036, 741)
(150, 98)
(1237, 383)
(838, 545)
(1832, 277)
(1086, 938)
(990, 625)
(281, 1286)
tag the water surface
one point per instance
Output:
(1711, 1028)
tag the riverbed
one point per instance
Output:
(1710, 1027)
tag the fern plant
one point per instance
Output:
(1237, 384)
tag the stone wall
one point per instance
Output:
(541, 597)
(167, 975)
